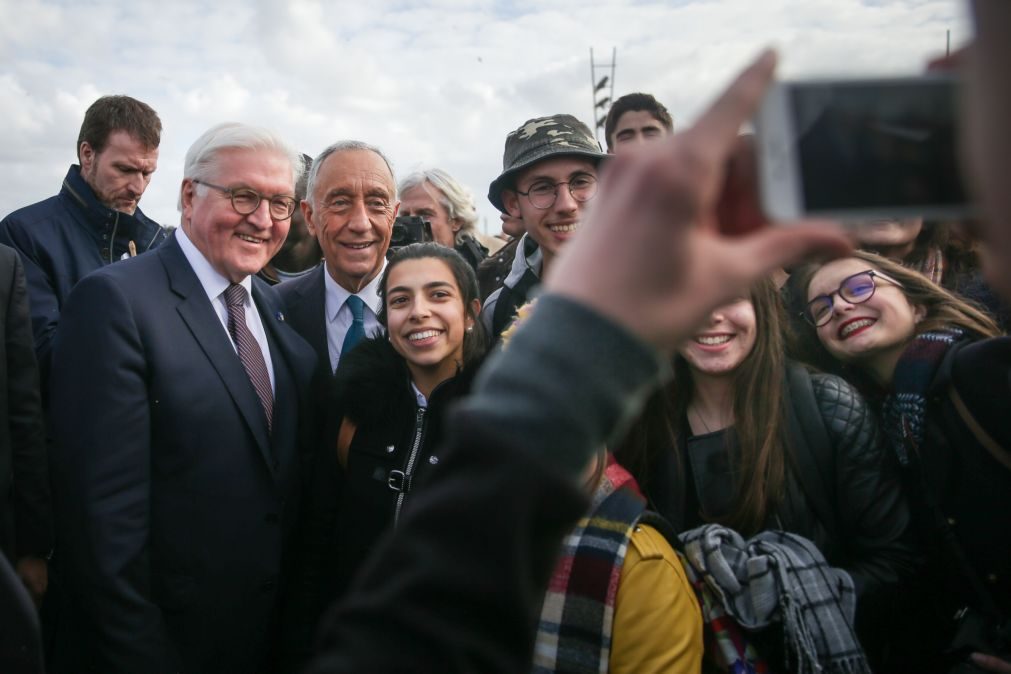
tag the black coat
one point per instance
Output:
(394, 447)
(458, 587)
(870, 536)
(348, 511)
(958, 486)
(25, 510)
(871, 514)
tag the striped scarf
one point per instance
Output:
(905, 408)
(932, 265)
(574, 634)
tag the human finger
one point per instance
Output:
(775, 247)
(990, 663)
(738, 210)
(717, 129)
(952, 61)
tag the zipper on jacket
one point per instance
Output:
(112, 240)
(419, 431)
(158, 230)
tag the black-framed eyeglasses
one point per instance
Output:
(855, 289)
(542, 194)
(245, 200)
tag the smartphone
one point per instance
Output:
(861, 149)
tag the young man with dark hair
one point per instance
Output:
(635, 119)
(94, 220)
(549, 173)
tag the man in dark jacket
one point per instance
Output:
(94, 220)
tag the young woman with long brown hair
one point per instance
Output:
(743, 438)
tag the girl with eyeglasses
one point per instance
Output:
(743, 438)
(939, 375)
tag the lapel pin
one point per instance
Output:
(280, 316)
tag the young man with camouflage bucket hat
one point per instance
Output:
(549, 173)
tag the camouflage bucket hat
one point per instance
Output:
(539, 139)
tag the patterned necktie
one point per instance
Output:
(356, 332)
(249, 349)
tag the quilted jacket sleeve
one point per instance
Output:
(873, 513)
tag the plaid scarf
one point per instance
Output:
(574, 634)
(726, 645)
(905, 408)
(780, 577)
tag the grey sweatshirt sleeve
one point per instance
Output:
(568, 382)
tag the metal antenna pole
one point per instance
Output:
(606, 83)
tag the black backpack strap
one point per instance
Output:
(811, 450)
(510, 300)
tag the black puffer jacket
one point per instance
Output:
(870, 536)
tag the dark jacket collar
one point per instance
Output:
(373, 380)
(145, 232)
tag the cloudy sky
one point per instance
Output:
(435, 83)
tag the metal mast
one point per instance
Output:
(603, 89)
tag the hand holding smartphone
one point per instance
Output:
(861, 149)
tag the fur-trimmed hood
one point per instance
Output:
(372, 383)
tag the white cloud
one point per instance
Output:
(435, 83)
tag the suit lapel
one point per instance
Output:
(311, 313)
(199, 316)
(292, 348)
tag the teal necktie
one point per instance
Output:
(356, 332)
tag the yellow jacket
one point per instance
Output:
(657, 620)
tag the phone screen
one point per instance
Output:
(887, 144)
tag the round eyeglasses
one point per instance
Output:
(855, 289)
(245, 200)
(543, 193)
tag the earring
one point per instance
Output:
(470, 328)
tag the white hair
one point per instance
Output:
(336, 148)
(455, 198)
(201, 158)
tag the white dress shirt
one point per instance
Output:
(419, 397)
(214, 285)
(338, 313)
